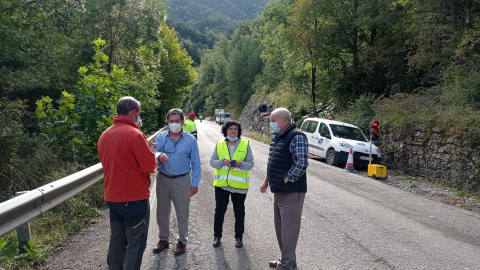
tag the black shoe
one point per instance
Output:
(238, 242)
(216, 241)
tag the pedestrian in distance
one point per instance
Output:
(189, 125)
(179, 157)
(287, 177)
(127, 164)
(232, 160)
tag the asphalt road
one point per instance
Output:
(349, 221)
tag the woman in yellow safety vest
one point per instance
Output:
(232, 160)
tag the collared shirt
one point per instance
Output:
(299, 149)
(183, 155)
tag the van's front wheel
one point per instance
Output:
(331, 157)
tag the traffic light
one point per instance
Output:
(374, 131)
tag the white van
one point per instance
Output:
(222, 117)
(332, 141)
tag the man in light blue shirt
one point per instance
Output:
(178, 157)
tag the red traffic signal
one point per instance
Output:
(374, 130)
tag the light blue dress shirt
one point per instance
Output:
(183, 155)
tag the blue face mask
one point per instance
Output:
(274, 127)
(232, 139)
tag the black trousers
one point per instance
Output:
(221, 202)
(128, 234)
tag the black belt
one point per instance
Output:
(174, 176)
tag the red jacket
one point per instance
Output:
(127, 162)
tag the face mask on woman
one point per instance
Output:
(232, 139)
(175, 127)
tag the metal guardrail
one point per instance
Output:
(24, 208)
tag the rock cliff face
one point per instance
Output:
(429, 153)
(250, 116)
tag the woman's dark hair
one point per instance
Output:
(229, 124)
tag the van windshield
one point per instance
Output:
(226, 115)
(350, 133)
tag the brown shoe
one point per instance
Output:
(160, 246)
(180, 248)
(273, 264)
(216, 241)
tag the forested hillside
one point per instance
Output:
(200, 23)
(402, 62)
(217, 16)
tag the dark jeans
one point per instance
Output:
(221, 202)
(128, 234)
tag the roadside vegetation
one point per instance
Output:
(451, 192)
(63, 66)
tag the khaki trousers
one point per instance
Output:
(287, 218)
(176, 191)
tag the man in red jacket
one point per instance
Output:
(127, 164)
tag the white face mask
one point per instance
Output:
(275, 127)
(175, 127)
(138, 122)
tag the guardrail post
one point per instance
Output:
(23, 231)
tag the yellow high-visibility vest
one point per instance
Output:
(235, 178)
(189, 125)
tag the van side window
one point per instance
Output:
(305, 125)
(324, 128)
(312, 127)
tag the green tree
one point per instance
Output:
(175, 71)
(80, 118)
(124, 24)
(243, 65)
(37, 53)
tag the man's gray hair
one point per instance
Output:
(126, 104)
(283, 113)
(174, 112)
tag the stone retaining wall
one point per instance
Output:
(432, 154)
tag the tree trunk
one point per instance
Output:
(314, 70)
(355, 79)
(468, 14)
(453, 14)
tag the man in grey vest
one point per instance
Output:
(287, 177)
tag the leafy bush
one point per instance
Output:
(36, 164)
(81, 117)
(430, 108)
(14, 257)
(11, 113)
(360, 112)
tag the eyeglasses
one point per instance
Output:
(168, 152)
